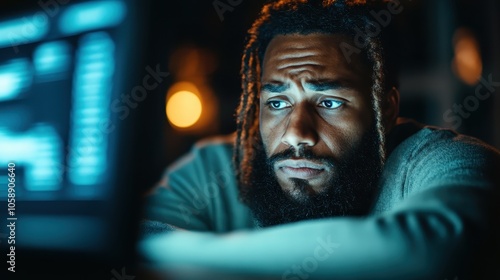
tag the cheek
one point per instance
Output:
(270, 131)
(342, 132)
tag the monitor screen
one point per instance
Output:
(62, 149)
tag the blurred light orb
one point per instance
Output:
(467, 63)
(183, 108)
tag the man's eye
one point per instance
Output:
(276, 104)
(331, 104)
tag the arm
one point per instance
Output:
(447, 224)
(428, 237)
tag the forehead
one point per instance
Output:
(313, 56)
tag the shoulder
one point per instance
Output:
(444, 146)
(207, 157)
(199, 191)
(434, 157)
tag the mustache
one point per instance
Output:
(303, 153)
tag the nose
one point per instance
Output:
(300, 127)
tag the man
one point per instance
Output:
(326, 181)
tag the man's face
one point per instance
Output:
(315, 111)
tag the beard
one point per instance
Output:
(349, 192)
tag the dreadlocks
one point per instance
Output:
(304, 17)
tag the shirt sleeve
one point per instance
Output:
(446, 227)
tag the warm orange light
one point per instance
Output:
(183, 108)
(467, 62)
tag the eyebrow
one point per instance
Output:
(325, 85)
(275, 87)
(311, 85)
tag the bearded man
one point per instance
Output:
(322, 179)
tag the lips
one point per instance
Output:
(301, 173)
(301, 169)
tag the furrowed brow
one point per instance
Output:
(325, 85)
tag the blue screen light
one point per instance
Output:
(91, 16)
(15, 76)
(52, 60)
(39, 152)
(92, 91)
(23, 30)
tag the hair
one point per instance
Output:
(307, 17)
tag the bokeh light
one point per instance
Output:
(467, 63)
(184, 108)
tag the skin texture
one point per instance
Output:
(311, 98)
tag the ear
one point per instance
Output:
(390, 109)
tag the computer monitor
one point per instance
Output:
(66, 150)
